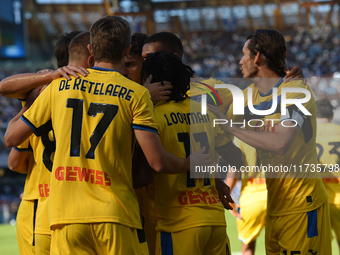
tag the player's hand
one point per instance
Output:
(199, 158)
(235, 211)
(216, 111)
(224, 194)
(293, 74)
(66, 71)
(158, 90)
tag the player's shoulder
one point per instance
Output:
(246, 90)
(335, 127)
(298, 83)
(172, 106)
(208, 83)
(185, 107)
(58, 80)
(113, 77)
(330, 128)
(298, 90)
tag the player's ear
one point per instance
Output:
(257, 58)
(89, 47)
(90, 61)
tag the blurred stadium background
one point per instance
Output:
(212, 31)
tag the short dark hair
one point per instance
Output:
(324, 109)
(78, 46)
(61, 47)
(137, 42)
(166, 66)
(169, 42)
(109, 38)
(272, 45)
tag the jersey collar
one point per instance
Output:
(276, 86)
(103, 69)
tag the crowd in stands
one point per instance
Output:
(11, 188)
(316, 51)
(216, 54)
(9, 106)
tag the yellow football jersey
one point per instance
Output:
(38, 182)
(300, 194)
(328, 147)
(30, 190)
(43, 151)
(182, 202)
(93, 119)
(221, 98)
(253, 183)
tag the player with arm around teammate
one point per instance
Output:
(297, 205)
(33, 231)
(95, 117)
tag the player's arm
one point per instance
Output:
(18, 160)
(161, 160)
(231, 180)
(232, 177)
(224, 191)
(231, 154)
(142, 172)
(17, 130)
(19, 86)
(278, 142)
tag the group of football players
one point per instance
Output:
(119, 130)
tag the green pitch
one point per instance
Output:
(9, 246)
(8, 240)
